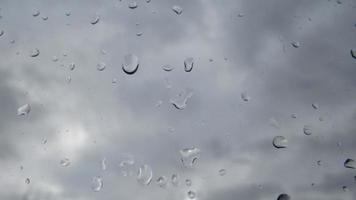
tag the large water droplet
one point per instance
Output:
(167, 68)
(96, 183)
(24, 110)
(307, 130)
(162, 181)
(188, 64)
(95, 20)
(101, 66)
(133, 5)
(283, 197)
(353, 51)
(64, 162)
(27, 181)
(189, 156)
(34, 52)
(180, 100)
(191, 194)
(71, 66)
(222, 172)
(350, 163)
(174, 179)
(130, 64)
(280, 142)
(177, 9)
(144, 175)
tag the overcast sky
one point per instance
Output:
(256, 63)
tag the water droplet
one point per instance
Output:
(283, 197)
(245, 97)
(339, 2)
(27, 181)
(241, 15)
(295, 44)
(36, 13)
(69, 79)
(321, 119)
(2, 32)
(188, 64)
(24, 110)
(350, 163)
(319, 162)
(174, 179)
(167, 68)
(353, 51)
(274, 123)
(294, 116)
(126, 164)
(64, 162)
(114, 81)
(133, 5)
(222, 172)
(191, 194)
(68, 13)
(103, 164)
(162, 181)
(148, 1)
(130, 64)
(307, 130)
(159, 103)
(54, 58)
(180, 100)
(71, 66)
(97, 183)
(189, 156)
(44, 18)
(315, 106)
(280, 142)
(177, 9)
(34, 53)
(101, 66)
(95, 20)
(188, 182)
(144, 175)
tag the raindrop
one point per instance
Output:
(159, 103)
(71, 66)
(177, 9)
(101, 66)
(174, 179)
(191, 194)
(144, 175)
(307, 130)
(133, 5)
(350, 163)
(241, 15)
(162, 181)
(64, 162)
(345, 188)
(114, 81)
(315, 106)
(188, 182)
(126, 164)
(339, 2)
(24, 110)
(130, 64)
(69, 79)
(95, 20)
(2, 32)
(54, 58)
(353, 51)
(319, 162)
(148, 1)
(97, 183)
(245, 97)
(283, 197)
(103, 164)
(321, 119)
(139, 34)
(222, 172)
(295, 44)
(188, 64)
(34, 53)
(189, 156)
(68, 13)
(180, 100)
(294, 116)
(44, 18)
(167, 68)
(280, 142)
(27, 181)
(274, 123)
(36, 13)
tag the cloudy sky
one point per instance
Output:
(256, 63)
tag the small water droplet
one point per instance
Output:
(283, 197)
(27, 181)
(130, 64)
(188, 182)
(34, 52)
(181, 99)
(126, 164)
(133, 5)
(241, 15)
(2, 32)
(162, 181)
(95, 20)
(295, 44)
(36, 13)
(177, 9)
(167, 68)
(245, 97)
(101, 66)
(319, 162)
(69, 79)
(353, 51)
(44, 18)
(222, 172)
(71, 66)
(159, 103)
(345, 188)
(103, 164)
(54, 58)
(280, 142)
(68, 13)
(307, 130)
(174, 180)
(64, 162)
(189, 156)
(97, 183)
(294, 116)
(188, 64)
(24, 110)
(350, 163)
(338, 1)
(144, 175)
(274, 123)
(114, 81)
(148, 1)
(191, 194)
(315, 106)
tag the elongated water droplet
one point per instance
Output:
(280, 142)
(315, 106)
(177, 9)
(188, 182)
(27, 181)
(222, 172)
(36, 13)
(95, 20)
(283, 197)
(167, 68)
(34, 52)
(350, 163)
(133, 5)
(191, 194)
(180, 100)
(97, 183)
(64, 162)
(307, 130)
(295, 44)
(130, 64)
(71, 66)
(144, 175)
(101, 66)
(103, 164)
(245, 97)
(162, 181)
(174, 180)
(189, 156)
(24, 110)
(188, 64)
(353, 51)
